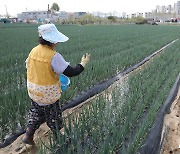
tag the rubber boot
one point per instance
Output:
(28, 137)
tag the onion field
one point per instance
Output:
(120, 124)
(107, 126)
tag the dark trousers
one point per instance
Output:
(51, 114)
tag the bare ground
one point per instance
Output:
(172, 122)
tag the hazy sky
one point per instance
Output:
(129, 6)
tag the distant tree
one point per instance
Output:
(55, 7)
(88, 19)
(112, 18)
(139, 19)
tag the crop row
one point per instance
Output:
(112, 49)
(120, 124)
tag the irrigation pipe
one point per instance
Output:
(83, 96)
(153, 142)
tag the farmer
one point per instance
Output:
(44, 65)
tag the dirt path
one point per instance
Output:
(172, 122)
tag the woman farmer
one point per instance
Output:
(44, 65)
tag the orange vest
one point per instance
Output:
(42, 83)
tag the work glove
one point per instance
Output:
(85, 59)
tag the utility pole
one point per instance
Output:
(48, 12)
(6, 12)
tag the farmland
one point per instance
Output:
(113, 48)
(120, 124)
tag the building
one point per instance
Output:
(169, 9)
(63, 15)
(149, 15)
(161, 9)
(42, 16)
(79, 14)
(124, 15)
(177, 9)
(140, 14)
(33, 15)
(133, 15)
(158, 9)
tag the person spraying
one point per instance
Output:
(44, 65)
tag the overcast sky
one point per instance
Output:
(128, 6)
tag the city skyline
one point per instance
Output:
(106, 6)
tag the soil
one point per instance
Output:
(172, 124)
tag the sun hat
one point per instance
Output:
(50, 33)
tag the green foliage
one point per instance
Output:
(55, 7)
(112, 18)
(112, 48)
(87, 19)
(120, 124)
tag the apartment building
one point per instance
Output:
(177, 9)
